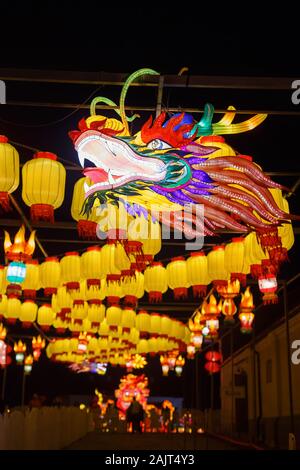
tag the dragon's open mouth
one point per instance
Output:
(116, 163)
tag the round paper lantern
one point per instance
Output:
(31, 282)
(79, 311)
(213, 356)
(155, 324)
(13, 309)
(3, 305)
(143, 322)
(234, 259)
(28, 312)
(9, 171)
(45, 316)
(113, 289)
(86, 224)
(152, 242)
(121, 259)
(142, 347)
(50, 275)
(216, 266)
(212, 367)
(91, 266)
(177, 277)
(166, 325)
(108, 258)
(197, 273)
(96, 312)
(133, 287)
(70, 270)
(43, 185)
(128, 319)
(156, 281)
(113, 317)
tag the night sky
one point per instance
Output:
(93, 37)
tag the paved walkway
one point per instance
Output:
(151, 441)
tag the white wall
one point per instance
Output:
(43, 428)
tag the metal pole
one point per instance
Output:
(288, 342)
(254, 435)
(3, 383)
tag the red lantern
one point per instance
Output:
(212, 367)
(213, 356)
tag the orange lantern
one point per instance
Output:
(43, 185)
(246, 316)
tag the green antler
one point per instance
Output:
(126, 85)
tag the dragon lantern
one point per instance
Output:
(177, 163)
(132, 386)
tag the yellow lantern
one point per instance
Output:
(113, 317)
(142, 347)
(91, 266)
(3, 305)
(166, 325)
(216, 266)
(96, 312)
(43, 187)
(151, 243)
(86, 224)
(286, 232)
(155, 324)
(79, 311)
(103, 329)
(128, 319)
(13, 309)
(113, 289)
(197, 273)
(50, 275)
(70, 270)
(133, 287)
(234, 259)
(177, 277)
(45, 316)
(31, 282)
(156, 281)
(121, 260)
(9, 171)
(28, 313)
(143, 322)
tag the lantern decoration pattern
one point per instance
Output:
(132, 386)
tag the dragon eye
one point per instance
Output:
(158, 144)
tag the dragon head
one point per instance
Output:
(176, 161)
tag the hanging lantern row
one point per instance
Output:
(114, 348)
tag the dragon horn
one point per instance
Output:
(126, 85)
(224, 126)
(204, 126)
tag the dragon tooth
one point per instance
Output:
(86, 187)
(110, 178)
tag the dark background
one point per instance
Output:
(92, 37)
